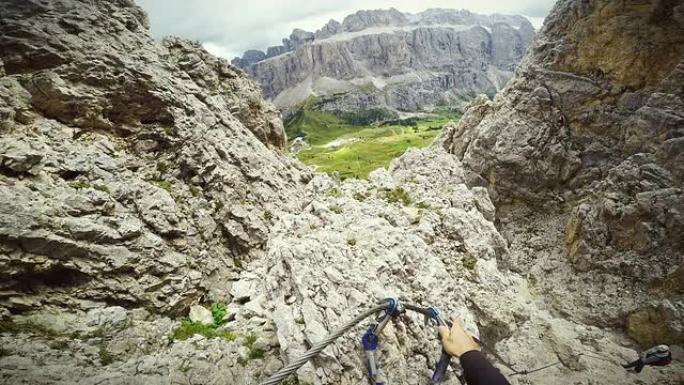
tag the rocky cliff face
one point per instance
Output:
(385, 58)
(132, 174)
(589, 147)
(138, 179)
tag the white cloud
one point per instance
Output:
(229, 27)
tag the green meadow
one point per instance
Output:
(362, 147)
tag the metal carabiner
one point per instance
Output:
(393, 306)
(370, 340)
(444, 358)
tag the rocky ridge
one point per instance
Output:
(116, 220)
(392, 60)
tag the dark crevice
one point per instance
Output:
(70, 174)
(56, 277)
(9, 172)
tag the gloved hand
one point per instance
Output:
(457, 341)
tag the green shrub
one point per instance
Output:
(351, 242)
(336, 209)
(423, 205)
(188, 329)
(218, 311)
(397, 195)
(268, 215)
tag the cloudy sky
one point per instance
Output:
(229, 27)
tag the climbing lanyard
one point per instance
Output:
(370, 339)
(388, 308)
(391, 307)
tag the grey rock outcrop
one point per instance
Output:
(385, 58)
(331, 28)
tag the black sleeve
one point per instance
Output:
(478, 371)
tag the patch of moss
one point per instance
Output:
(360, 196)
(101, 187)
(469, 262)
(336, 209)
(423, 205)
(60, 344)
(195, 191)
(253, 352)
(166, 185)
(351, 242)
(334, 192)
(397, 195)
(106, 357)
(188, 329)
(162, 166)
(292, 380)
(98, 333)
(79, 184)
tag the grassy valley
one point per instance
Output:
(346, 145)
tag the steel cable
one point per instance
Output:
(322, 344)
(317, 347)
